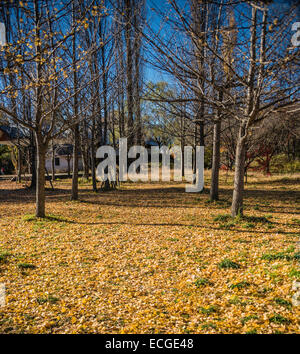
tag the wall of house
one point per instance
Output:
(63, 164)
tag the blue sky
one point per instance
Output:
(154, 75)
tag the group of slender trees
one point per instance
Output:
(67, 68)
(79, 70)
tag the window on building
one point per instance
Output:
(57, 162)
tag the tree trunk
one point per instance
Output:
(122, 117)
(93, 155)
(182, 137)
(129, 72)
(32, 162)
(93, 168)
(53, 162)
(19, 168)
(85, 161)
(74, 194)
(69, 166)
(85, 150)
(239, 173)
(214, 188)
(40, 178)
(294, 150)
(201, 128)
(237, 199)
(104, 86)
(113, 131)
(137, 77)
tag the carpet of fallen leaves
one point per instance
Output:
(150, 258)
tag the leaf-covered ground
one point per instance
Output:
(150, 258)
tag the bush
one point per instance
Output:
(281, 164)
(5, 160)
(292, 167)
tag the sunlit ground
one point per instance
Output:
(150, 258)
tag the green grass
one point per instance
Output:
(280, 256)
(227, 263)
(185, 315)
(249, 225)
(172, 239)
(255, 219)
(296, 221)
(4, 256)
(227, 225)
(47, 218)
(208, 326)
(51, 299)
(26, 266)
(279, 319)
(227, 221)
(222, 217)
(252, 331)
(297, 256)
(240, 285)
(283, 302)
(248, 318)
(202, 282)
(219, 203)
(240, 240)
(208, 310)
(236, 301)
(295, 273)
(29, 217)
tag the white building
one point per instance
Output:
(63, 160)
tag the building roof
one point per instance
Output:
(62, 150)
(12, 132)
(151, 142)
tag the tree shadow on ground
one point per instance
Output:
(159, 197)
(281, 180)
(54, 218)
(27, 195)
(201, 226)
